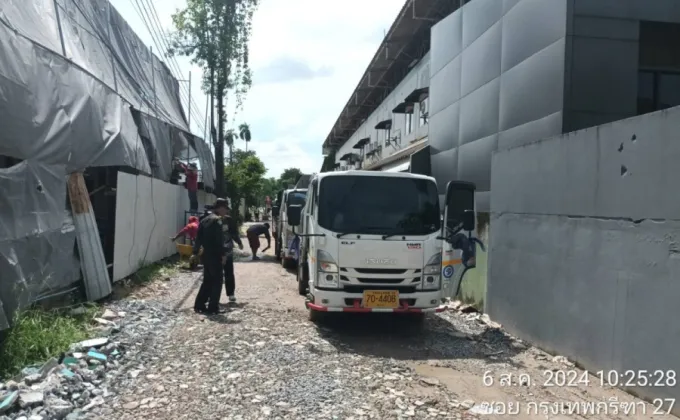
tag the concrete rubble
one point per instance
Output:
(70, 387)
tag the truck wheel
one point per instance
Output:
(316, 317)
(303, 279)
(277, 248)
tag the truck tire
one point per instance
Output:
(277, 248)
(303, 279)
(317, 317)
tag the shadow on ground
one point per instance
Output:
(406, 337)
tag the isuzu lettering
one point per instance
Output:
(374, 242)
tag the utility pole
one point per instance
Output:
(189, 106)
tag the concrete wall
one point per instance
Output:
(585, 245)
(418, 77)
(497, 80)
(148, 213)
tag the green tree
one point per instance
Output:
(270, 187)
(289, 176)
(215, 34)
(245, 178)
(244, 133)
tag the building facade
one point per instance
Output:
(495, 74)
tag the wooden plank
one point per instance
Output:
(92, 261)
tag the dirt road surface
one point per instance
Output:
(265, 359)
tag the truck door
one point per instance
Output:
(458, 244)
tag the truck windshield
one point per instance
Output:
(378, 205)
(296, 197)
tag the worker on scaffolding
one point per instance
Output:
(191, 172)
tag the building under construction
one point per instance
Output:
(91, 122)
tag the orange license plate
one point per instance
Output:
(376, 299)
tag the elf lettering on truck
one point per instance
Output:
(374, 242)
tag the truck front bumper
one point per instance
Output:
(341, 301)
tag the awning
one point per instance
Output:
(384, 125)
(403, 108)
(398, 167)
(361, 143)
(418, 95)
(349, 157)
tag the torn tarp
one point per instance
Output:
(37, 235)
(53, 112)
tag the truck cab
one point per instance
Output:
(286, 244)
(375, 242)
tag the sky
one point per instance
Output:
(307, 57)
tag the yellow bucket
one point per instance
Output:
(185, 251)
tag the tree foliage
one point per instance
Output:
(245, 178)
(244, 133)
(289, 177)
(215, 34)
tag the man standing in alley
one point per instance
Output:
(191, 172)
(231, 235)
(210, 236)
(253, 233)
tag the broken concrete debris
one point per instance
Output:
(76, 384)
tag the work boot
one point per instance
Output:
(232, 299)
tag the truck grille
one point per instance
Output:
(360, 289)
(380, 270)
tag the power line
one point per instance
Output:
(195, 110)
(156, 38)
(146, 19)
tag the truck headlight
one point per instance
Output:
(431, 273)
(327, 270)
(326, 263)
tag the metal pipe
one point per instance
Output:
(61, 32)
(64, 292)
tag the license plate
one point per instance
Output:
(381, 299)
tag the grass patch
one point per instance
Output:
(39, 334)
(155, 271)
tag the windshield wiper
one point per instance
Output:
(391, 235)
(340, 235)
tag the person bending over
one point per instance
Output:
(253, 233)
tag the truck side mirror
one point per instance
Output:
(469, 220)
(293, 213)
(460, 205)
(275, 211)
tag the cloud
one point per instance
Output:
(288, 69)
(308, 56)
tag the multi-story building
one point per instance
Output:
(454, 81)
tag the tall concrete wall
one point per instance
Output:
(585, 245)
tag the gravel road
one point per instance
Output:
(265, 359)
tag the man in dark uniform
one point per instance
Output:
(211, 237)
(231, 235)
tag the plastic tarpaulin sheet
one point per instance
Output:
(37, 235)
(205, 160)
(77, 115)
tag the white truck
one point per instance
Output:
(374, 242)
(286, 243)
